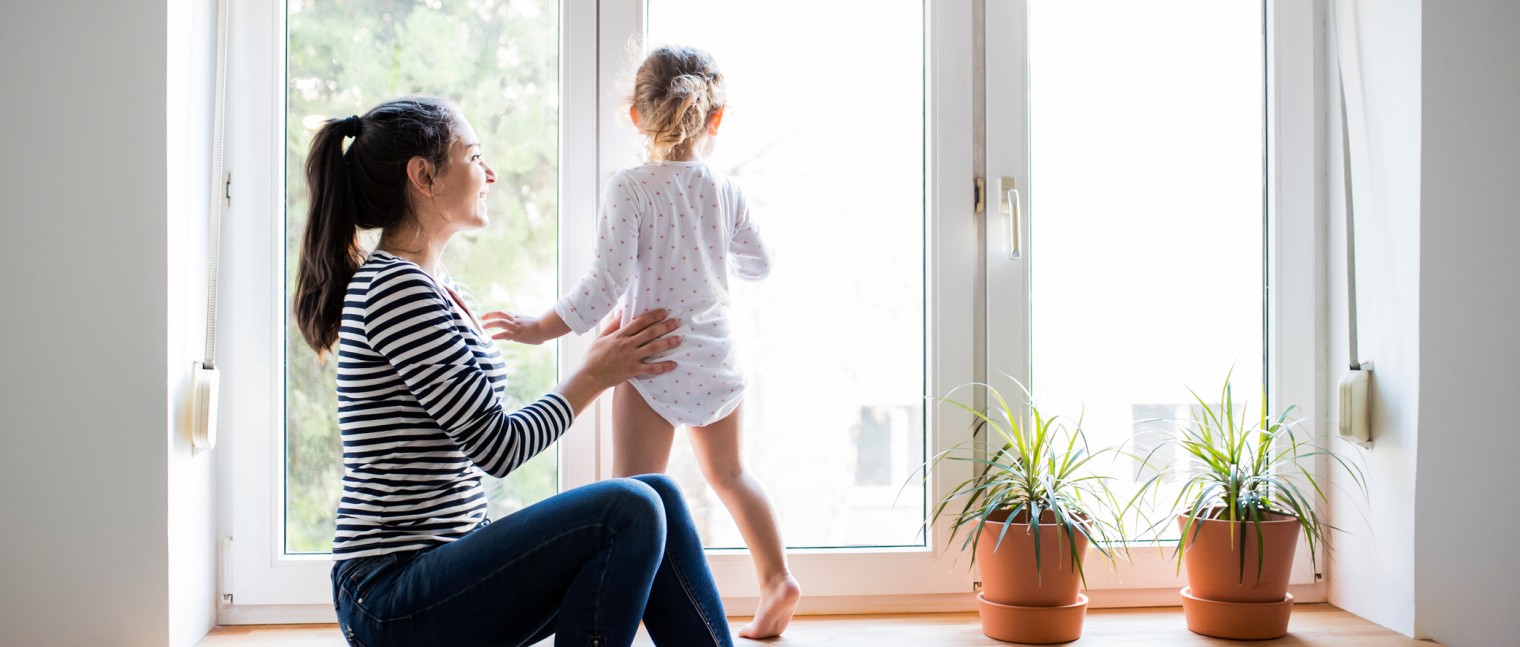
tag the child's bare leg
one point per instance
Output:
(640, 437)
(717, 447)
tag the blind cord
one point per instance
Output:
(220, 184)
(1340, 73)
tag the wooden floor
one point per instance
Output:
(1312, 625)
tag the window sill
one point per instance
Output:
(1312, 625)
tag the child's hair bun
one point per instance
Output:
(688, 84)
(676, 91)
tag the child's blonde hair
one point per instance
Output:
(676, 91)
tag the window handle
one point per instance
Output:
(1010, 204)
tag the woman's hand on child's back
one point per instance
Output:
(524, 329)
(621, 352)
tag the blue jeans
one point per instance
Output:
(584, 566)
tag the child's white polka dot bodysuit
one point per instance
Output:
(667, 237)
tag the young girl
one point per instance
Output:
(668, 234)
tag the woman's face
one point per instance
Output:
(460, 189)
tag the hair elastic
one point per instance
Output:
(351, 126)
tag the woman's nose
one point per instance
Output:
(490, 173)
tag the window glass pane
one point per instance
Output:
(1146, 211)
(826, 136)
(499, 60)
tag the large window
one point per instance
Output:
(1146, 213)
(1130, 237)
(1160, 188)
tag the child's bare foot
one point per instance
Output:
(778, 599)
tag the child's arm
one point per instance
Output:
(748, 258)
(616, 252)
(524, 329)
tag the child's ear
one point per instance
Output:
(714, 121)
(633, 113)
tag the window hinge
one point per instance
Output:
(227, 189)
(979, 191)
(226, 557)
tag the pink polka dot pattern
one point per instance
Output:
(690, 233)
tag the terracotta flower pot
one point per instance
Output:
(1020, 604)
(1221, 600)
(1008, 569)
(1212, 552)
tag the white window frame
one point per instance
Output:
(260, 584)
(1293, 272)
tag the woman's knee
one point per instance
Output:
(661, 484)
(669, 492)
(630, 496)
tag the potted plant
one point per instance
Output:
(1030, 512)
(1247, 496)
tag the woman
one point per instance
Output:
(420, 408)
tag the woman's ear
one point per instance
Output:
(633, 113)
(419, 174)
(714, 121)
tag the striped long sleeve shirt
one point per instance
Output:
(421, 413)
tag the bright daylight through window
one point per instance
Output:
(1146, 212)
(827, 137)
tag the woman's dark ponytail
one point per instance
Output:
(330, 252)
(361, 188)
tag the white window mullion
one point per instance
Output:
(581, 461)
(1295, 274)
(620, 23)
(1007, 167)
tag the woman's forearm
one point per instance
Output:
(579, 390)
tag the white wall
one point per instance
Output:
(1371, 570)
(84, 556)
(1467, 581)
(108, 528)
(1438, 230)
(192, 475)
